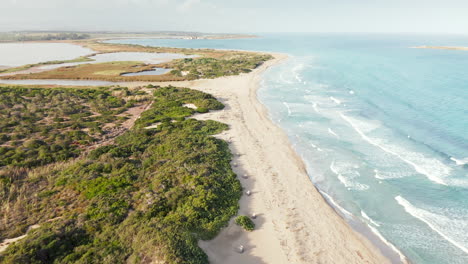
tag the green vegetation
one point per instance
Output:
(245, 222)
(38, 36)
(213, 68)
(146, 198)
(39, 126)
(56, 35)
(170, 101)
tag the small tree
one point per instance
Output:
(245, 222)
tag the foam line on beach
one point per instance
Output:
(390, 245)
(369, 219)
(334, 204)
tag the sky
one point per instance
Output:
(237, 16)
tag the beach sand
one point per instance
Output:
(294, 224)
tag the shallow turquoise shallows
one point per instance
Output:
(382, 128)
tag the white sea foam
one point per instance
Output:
(335, 100)
(432, 168)
(296, 69)
(333, 133)
(382, 238)
(370, 220)
(349, 215)
(351, 92)
(389, 175)
(460, 162)
(453, 230)
(336, 205)
(315, 106)
(289, 109)
(298, 78)
(347, 176)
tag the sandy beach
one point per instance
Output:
(294, 224)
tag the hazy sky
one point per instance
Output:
(447, 16)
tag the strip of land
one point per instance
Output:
(294, 224)
(77, 35)
(441, 47)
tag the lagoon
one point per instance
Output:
(18, 54)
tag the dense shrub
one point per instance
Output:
(149, 197)
(39, 126)
(217, 67)
(245, 222)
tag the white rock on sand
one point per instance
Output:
(294, 224)
(153, 126)
(190, 106)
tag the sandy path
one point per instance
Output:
(294, 223)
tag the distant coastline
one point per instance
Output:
(54, 36)
(441, 47)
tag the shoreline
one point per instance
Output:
(333, 238)
(294, 224)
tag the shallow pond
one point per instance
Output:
(145, 57)
(17, 54)
(155, 71)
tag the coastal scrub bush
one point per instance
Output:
(39, 126)
(245, 222)
(147, 197)
(217, 67)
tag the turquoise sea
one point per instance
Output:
(382, 128)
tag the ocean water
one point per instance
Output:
(382, 128)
